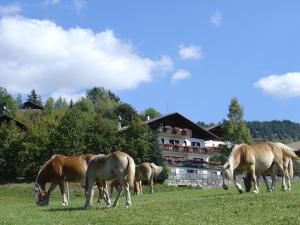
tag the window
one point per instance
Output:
(174, 142)
(162, 141)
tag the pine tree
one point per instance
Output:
(35, 98)
(235, 128)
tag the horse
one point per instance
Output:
(145, 172)
(257, 158)
(58, 170)
(117, 165)
(247, 179)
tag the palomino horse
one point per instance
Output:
(248, 184)
(257, 158)
(58, 170)
(118, 165)
(145, 172)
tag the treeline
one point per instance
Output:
(277, 130)
(86, 126)
(285, 131)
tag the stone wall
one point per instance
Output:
(205, 180)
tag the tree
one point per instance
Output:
(151, 112)
(140, 142)
(19, 101)
(126, 113)
(10, 138)
(61, 103)
(235, 128)
(49, 105)
(35, 98)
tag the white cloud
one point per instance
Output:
(216, 18)
(282, 86)
(79, 5)
(9, 9)
(180, 75)
(42, 55)
(190, 52)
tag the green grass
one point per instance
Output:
(168, 205)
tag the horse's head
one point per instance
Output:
(40, 196)
(227, 175)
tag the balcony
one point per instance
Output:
(175, 131)
(180, 148)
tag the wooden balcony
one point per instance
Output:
(180, 148)
(175, 131)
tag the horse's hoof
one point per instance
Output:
(241, 191)
(255, 191)
(65, 204)
(270, 190)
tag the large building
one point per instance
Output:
(182, 141)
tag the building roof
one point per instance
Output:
(31, 105)
(177, 120)
(6, 119)
(216, 130)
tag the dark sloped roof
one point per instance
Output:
(177, 120)
(31, 105)
(216, 130)
(6, 119)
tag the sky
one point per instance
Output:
(189, 57)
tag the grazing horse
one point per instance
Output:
(58, 170)
(118, 165)
(257, 158)
(145, 172)
(247, 179)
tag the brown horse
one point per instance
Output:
(248, 184)
(58, 170)
(118, 165)
(145, 172)
(258, 158)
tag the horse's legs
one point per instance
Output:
(273, 176)
(89, 192)
(51, 188)
(287, 175)
(63, 193)
(120, 190)
(151, 183)
(284, 172)
(266, 182)
(140, 187)
(128, 199)
(237, 185)
(253, 178)
(101, 193)
(107, 198)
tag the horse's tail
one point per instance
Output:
(291, 168)
(287, 151)
(130, 171)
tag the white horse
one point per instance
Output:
(118, 165)
(258, 158)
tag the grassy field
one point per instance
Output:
(169, 205)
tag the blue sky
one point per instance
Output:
(191, 57)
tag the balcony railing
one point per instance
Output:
(175, 131)
(180, 148)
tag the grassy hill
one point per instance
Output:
(166, 206)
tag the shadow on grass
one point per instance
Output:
(71, 209)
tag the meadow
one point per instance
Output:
(168, 205)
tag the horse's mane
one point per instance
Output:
(44, 166)
(156, 169)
